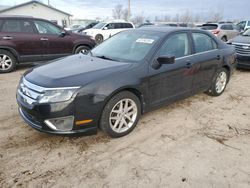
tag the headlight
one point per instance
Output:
(58, 95)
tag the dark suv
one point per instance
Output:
(28, 39)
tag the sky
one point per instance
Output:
(89, 9)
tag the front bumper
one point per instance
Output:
(243, 61)
(40, 126)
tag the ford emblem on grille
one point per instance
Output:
(25, 91)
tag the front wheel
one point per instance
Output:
(120, 115)
(82, 50)
(219, 83)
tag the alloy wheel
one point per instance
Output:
(123, 115)
(5, 62)
(221, 82)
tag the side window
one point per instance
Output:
(242, 25)
(177, 45)
(110, 26)
(203, 42)
(128, 25)
(17, 26)
(227, 27)
(47, 28)
(248, 23)
(1, 22)
(118, 26)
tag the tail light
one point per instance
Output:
(216, 31)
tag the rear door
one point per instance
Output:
(21, 35)
(206, 58)
(58, 44)
(172, 81)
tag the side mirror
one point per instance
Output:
(166, 60)
(163, 60)
(63, 33)
(105, 28)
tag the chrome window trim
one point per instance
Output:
(196, 54)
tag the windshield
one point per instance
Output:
(246, 33)
(99, 25)
(127, 46)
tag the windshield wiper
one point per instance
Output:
(105, 57)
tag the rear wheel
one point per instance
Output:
(82, 50)
(219, 83)
(120, 114)
(7, 61)
(99, 38)
(224, 39)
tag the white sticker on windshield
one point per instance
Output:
(143, 40)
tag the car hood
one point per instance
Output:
(76, 70)
(241, 39)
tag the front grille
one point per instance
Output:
(29, 93)
(242, 49)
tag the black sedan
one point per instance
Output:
(129, 74)
(242, 47)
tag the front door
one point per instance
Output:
(171, 81)
(58, 44)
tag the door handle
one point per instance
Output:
(189, 64)
(44, 39)
(218, 57)
(7, 38)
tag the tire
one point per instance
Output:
(82, 49)
(219, 83)
(8, 61)
(224, 38)
(99, 39)
(117, 121)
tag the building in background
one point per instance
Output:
(39, 10)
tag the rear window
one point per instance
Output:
(128, 25)
(209, 26)
(17, 26)
(227, 27)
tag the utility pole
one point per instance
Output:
(48, 2)
(129, 10)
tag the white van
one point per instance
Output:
(104, 30)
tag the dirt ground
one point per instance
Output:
(199, 142)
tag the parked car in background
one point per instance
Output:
(146, 24)
(223, 30)
(244, 25)
(27, 39)
(242, 47)
(105, 30)
(83, 27)
(129, 74)
(72, 27)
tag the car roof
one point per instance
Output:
(166, 29)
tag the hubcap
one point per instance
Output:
(123, 115)
(221, 82)
(83, 51)
(5, 62)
